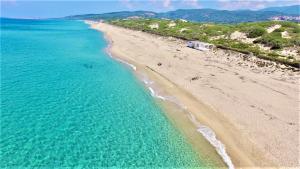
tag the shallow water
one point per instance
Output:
(66, 103)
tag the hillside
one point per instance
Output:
(277, 41)
(219, 16)
(291, 10)
(197, 15)
(113, 15)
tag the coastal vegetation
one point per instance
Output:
(273, 40)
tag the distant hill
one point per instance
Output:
(197, 15)
(289, 10)
(219, 16)
(114, 15)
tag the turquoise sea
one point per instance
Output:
(66, 103)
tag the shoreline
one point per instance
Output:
(169, 104)
(158, 80)
(242, 151)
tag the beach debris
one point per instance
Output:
(282, 66)
(270, 116)
(260, 63)
(245, 57)
(178, 50)
(159, 64)
(194, 78)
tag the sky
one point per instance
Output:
(56, 8)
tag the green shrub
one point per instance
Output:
(296, 30)
(273, 40)
(296, 42)
(273, 55)
(289, 24)
(276, 44)
(255, 31)
(240, 45)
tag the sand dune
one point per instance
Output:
(251, 104)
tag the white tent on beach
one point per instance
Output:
(200, 45)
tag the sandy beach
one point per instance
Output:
(252, 108)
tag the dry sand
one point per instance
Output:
(252, 108)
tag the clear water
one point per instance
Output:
(65, 103)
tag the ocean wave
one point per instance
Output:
(130, 65)
(119, 60)
(147, 81)
(210, 136)
(154, 94)
(205, 131)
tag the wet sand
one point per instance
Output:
(253, 109)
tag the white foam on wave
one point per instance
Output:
(151, 90)
(154, 94)
(147, 82)
(119, 60)
(130, 65)
(207, 133)
(210, 136)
